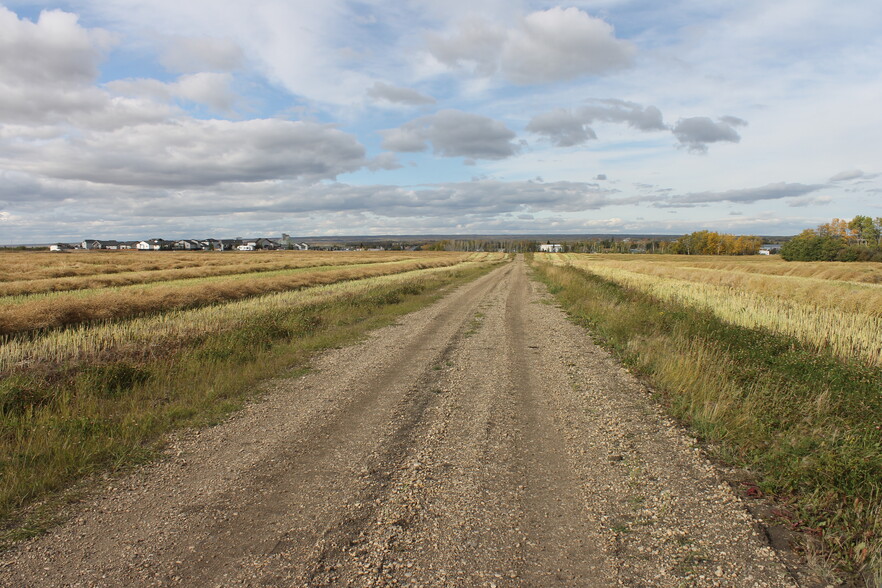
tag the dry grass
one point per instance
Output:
(795, 414)
(52, 311)
(81, 272)
(97, 397)
(134, 338)
(843, 316)
(859, 272)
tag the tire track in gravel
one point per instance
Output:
(484, 441)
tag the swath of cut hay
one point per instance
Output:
(74, 309)
(231, 264)
(842, 317)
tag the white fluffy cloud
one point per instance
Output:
(546, 46)
(47, 67)
(453, 133)
(54, 50)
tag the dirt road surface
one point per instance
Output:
(483, 441)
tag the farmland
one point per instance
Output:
(778, 365)
(483, 413)
(102, 353)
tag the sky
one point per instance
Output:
(136, 119)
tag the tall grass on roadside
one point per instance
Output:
(852, 330)
(851, 296)
(75, 308)
(71, 415)
(806, 421)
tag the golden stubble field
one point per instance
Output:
(778, 365)
(826, 304)
(101, 353)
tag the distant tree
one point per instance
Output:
(859, 239)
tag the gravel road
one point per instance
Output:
(483, 441)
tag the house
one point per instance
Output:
(266, 244)
(188, 244)
(154, 245)
(550, 247)
(91, 244)
(212, 245)
(769, 249)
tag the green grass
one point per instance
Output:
(60, 426)
(806, 422)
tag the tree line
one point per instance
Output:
(858, 239)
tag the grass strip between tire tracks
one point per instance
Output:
(806, 422)
(65, 425)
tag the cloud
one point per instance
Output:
(200, 54)
(208, 88)
(746, 195)
(810, 201)
(547, 46)
(47, 67)
(852, 174)
(212, 89)
(55, 50)
(398, 95)
(695, 133)
(566, 128)
(562, 127)
(386, 161)
(453, 133)
(189, 152)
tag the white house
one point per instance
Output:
(550, 247)
(153, 245)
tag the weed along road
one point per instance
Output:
(482, 441)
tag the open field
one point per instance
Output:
(778, 367)
(839, 309)
(482, 440)
(32, 273)
(90, 379)
(24, 313)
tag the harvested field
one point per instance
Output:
(780, 373)
(479, 441)
(20, 314)
(89, 379)
(838, 309)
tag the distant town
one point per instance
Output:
(238, 244)
(702, 242)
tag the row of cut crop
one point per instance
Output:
(76, 308)
(850, 335)
(238, 264)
